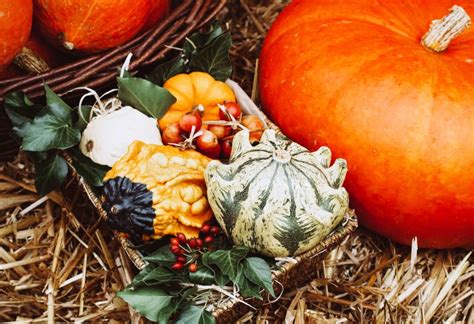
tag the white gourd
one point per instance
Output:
(107, 136)
(277, 198)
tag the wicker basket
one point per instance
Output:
(100, 70)
(290, 275)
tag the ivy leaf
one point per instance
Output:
(227, 260)
(203, 276)
(167, 70)
(258, 272)
(92, 172)
(160, 275)
(199, 40)
(162, 256)
(221, 279)
(83, 113)
(177, 304)
(214, 58)
(147, 301)
(145, 96)
(52, 127)
(50, 174)
(138, 279)
(195, 315)
(247, 288)
(20, 110)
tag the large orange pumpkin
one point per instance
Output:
(15, 26)
(353, 75)
(92, 26)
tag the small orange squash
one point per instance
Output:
(15, 27)
(192, 90)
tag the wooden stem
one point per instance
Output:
(29, 61)
(444, 30)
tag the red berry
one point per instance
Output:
(208, 239)
(193, 267)
(181, 259)
(174, 241)
(208, 144)
(254, 125)
(192, 243)
(199, 243)
(172, 134)
(181, 238)
(226, 148)
(205, 228)
(189, 120)
(220, 131)
(175, 249)
(232, 108)
(215, 230)
(177, 266)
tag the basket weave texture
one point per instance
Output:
(100, 70)
(289, 275)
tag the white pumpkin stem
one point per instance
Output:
(444, 30)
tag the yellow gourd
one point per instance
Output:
(192, 90)
(156, 191)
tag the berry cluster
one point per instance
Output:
(188, 251)
(216, 140)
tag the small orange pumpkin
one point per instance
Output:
(192, 90)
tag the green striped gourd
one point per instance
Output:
(277, 198)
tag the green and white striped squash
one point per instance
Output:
(277, 198)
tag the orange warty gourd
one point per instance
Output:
(355, 75)
(15, 27)
(93, 26)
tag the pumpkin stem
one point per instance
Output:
(443, 31)
(30, 61)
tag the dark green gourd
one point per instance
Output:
(277, 198)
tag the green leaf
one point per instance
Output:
(214, 58)
(227, 260)
(181, 302)
(145, 96)
(52, 128)
(199, 40)
(147, 301)
(83, 113)
(221, 279)
(160, 275)
(258, 272)
(92, 173)
(203, 276)
(246, 288)
(162, 256)
(195, 315)
(167, 70)
(138, 279)
(20, 110)
(50, 174)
